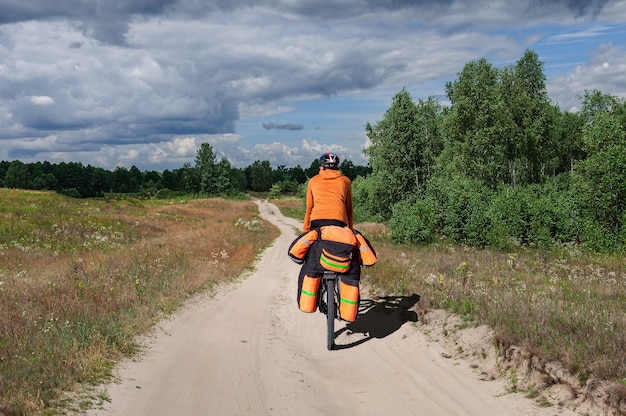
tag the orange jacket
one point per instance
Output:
(329, 197)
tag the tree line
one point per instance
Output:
(208, 177)
(500, 166)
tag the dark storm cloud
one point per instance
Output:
(287, 126)
(106, 21)
(12, 11)
(131, 128)
(339, 9)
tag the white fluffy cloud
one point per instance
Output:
(605, 71)
(41, 100)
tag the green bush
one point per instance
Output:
(600, 181)
(554, 216)
(600, 238)
(508, 211)
(281, 188)
(364, 200)
(414, 222)
(71, 192)
(276, 191)
(462, 204)
(478, 223)
(539, 215)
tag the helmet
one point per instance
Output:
(329, 161)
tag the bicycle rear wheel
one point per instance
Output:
(330, 313)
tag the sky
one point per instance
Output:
(144, 83)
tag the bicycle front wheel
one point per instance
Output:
(330, 313)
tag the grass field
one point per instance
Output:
(81, 279)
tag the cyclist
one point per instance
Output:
(328, 196)
(329, 202)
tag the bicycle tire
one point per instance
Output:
(330, 313)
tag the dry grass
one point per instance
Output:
(81, 279)
(563, 305)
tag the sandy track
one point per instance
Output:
(249, 351)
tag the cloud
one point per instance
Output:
(312, 147)
(286, 126)
(41, 100)
(110, 22)
(578, 7)
(606, 71)
(183, 146)
(106, 21)
(146, 81)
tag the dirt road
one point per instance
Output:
(249, 351)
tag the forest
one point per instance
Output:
(500, 165)
(208, 177)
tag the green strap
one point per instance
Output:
(351, 302)
(339, 266)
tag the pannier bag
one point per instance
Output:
(308, 293)
(366, 252)
(348, 299)
(334, 248)
(337, 248)
(301, 245)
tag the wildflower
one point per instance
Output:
(511, 260)
(254, 225)
(430, 279)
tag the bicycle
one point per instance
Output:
(330, 305)
(336, 291)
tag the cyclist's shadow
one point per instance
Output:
(379, 318)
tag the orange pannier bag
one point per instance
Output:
(366, 252)
(348, 300)
(337, 248)
(301, 245)
(308, 294)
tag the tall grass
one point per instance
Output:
(81, 279)
(560, 305)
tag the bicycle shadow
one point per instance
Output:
(379, 318)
